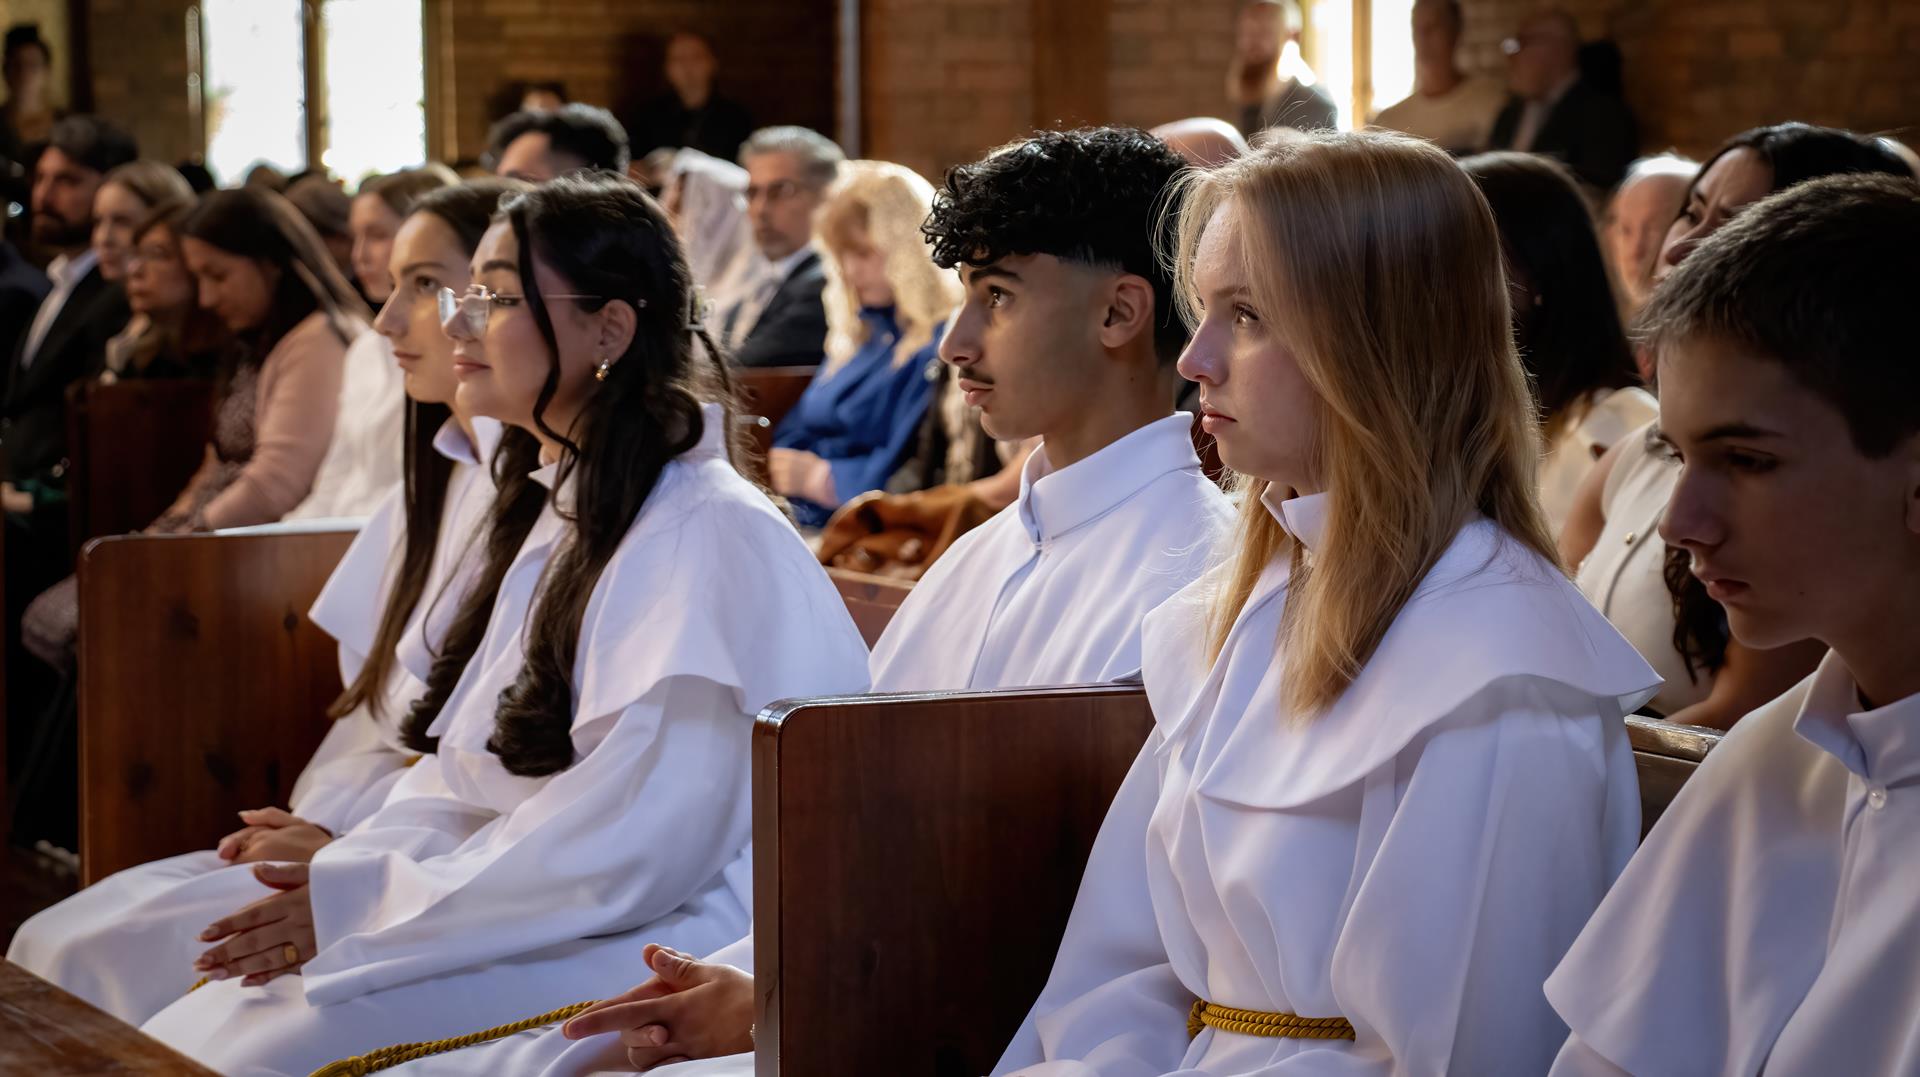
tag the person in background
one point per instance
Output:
(886, 303)
(1202, 141)
(779, 320)
(1712, 678)
(1448, 107)
(1770, 921)
(1637, 219)
(1564, 320)
(169, 335)
(197, 176)
(265, 175)
(363, 458)
(27, 118)
(1553, 111)
(534, 147)
(707, 199)
(1269, 83)
(126, 196)
(543, 96)
(693, 114)
(328, 209)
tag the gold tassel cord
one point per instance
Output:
(388, 1057)
(1261, 1023)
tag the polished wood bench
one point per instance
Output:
(766, 394)
(203, 685)
(134, 445)
(872, 600)
(1665, 755)
(47, 1032)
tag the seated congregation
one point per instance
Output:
(1504, 664)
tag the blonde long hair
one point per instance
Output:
(1378, 263)
(887, 203)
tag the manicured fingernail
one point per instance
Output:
(217, 974)
(656, 1035)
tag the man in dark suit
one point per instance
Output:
(1553, 111)
(780, 320)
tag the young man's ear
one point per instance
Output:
(1129, 311)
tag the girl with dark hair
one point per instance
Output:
(1643, 586)
(589, 774)
(1564, 319)
(363, 460)
(436, 547)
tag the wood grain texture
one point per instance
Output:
(872, 600)
(766, 395)
(134, 445)
(203, 685)
(915, 859)
(47, 1032)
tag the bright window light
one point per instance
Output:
(254, 74)
(376, 87)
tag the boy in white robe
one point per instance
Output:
(1772, 921)
(1114, 514)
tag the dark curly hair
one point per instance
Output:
(1099, 196)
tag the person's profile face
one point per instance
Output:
(1543, 57)
(1259, 31)
(1025, 343)
(1636, 228)
(424, 257)
(503, 368)
(531, 158)
(1435, 37)
(372, 224)
(116, 212)
(1791, 528)
(63, 194)
(1255, 400)
(1735, 181)
(157, 279)
(26, 70)
(863, 270)
(237, 289)
(781, 200)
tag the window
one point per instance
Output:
(1362, 53)
(256, 56)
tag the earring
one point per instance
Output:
(600, 372)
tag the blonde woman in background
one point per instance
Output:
(1389, 778)
(886, 303)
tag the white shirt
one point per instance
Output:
(460, 866)
(1414, 860)
(757, 293)
(1607, 416)
(66, 272)
(1458, 121)
(1052, 589)
(364, 456)
(1772, 920)
(362, 755)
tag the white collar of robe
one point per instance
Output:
(1052, 503)
(1881, 745)
(712, 443)
(1304, 516)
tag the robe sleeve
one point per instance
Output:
(1112, 993)
(898, 419)
(349, 774)
(1454, 924)
(653, 812)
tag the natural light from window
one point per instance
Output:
(253, 73)
(1392, 52)
(376, 87)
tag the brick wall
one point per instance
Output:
(140, 72)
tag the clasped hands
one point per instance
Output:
(690, 1009)
(273, 936)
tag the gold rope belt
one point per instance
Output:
(1261, 1023)
(388, 1057)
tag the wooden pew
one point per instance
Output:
(203, 685)
(48, 1033)
(913, 875)
(1665, 755)
(871, 599)
(766, 394)
(133, 446)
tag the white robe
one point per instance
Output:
(127, 943)
(364, 456)
(475, 896)
(1414, 860)
(1050, 591)
(1772, 920)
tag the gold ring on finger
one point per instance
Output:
(291, 953)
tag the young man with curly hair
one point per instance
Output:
(1068, 334)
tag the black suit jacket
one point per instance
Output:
(33, 419)
(1592, 132)
(792, 331)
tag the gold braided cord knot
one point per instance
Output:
(1261, 1023)
(388, 1057)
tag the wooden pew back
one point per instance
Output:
(871, 599)
(766, 395)
(203, 685)
(915, 859)
(48, 1033)
(134, 445)
(1665, 755)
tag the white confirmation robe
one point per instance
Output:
(127, 943)
(1414, 860)
(474, 896)
(1051, 591)
(1772, 920)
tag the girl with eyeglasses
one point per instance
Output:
(407, 604)
(586, 783)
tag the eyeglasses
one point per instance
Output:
(777, 191)
(468, 312)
